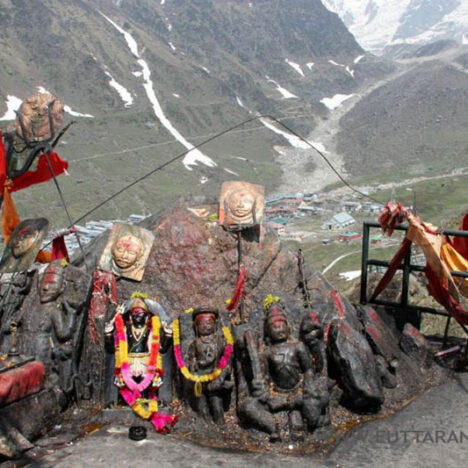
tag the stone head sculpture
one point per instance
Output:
(204, 321)
(39, 117)
(127, 251)
(52, 283)
(276, 326)
(23, 245)
(138, 311)
(241, 205)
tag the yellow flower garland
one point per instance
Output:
(201, 379)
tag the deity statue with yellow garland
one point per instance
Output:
(138, 335)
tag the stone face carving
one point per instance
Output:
(23, 245)
(281, 379)
(127, 250)
(241, 205)
(50, 319)
(204, 354)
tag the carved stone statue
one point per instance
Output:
(49, 320)
(279, 379)
(138, 335)
(204, 354)
(136, 314)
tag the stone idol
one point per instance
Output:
(208, 377)
(138, 335)
(23, 245)
(50, 322)
(127, 251)
(241, 205)
(279, 390)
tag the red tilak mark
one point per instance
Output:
(127, 244)
(314, 318)
(373, 314)
(338, 303)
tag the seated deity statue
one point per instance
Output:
(282, 380)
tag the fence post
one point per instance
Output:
(406, 278)
(365, 258)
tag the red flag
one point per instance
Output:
(41, 174)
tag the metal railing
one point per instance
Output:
(407, 267)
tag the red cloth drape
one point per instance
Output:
(461, 243)
(238, 291)
(104, 291)
(441, 294)
(395, 262)
(41, 174)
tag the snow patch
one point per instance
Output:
(309, 65)
(350, 71)
(163, 2)
(73, 113)
(284, 92)
(194, 155)
(13, 103)
(125, 95)
(464, 39)
(335, 63)
(205, 69)
(238, 99)
(358, 59)
(176, 95)
(203, 180)
(231, 172)
(295, 66)
(137, 74)
(335, 101)
(350, 275)
(132, 44)
(169, 27)
(172, 46)
(293, 139)
(241, 158)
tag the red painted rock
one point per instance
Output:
(20, 382)
(415, 345)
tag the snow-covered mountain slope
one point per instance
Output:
(380, 23)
